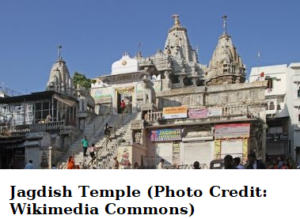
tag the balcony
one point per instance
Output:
(23, 129)
(241, 111)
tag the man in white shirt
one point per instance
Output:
(29, 165)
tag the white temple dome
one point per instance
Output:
(125, 65)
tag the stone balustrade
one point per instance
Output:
(153, 116)
(234, 110)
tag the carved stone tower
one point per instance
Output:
(226, 66)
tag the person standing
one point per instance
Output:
(71, 163)
(116, 163)
(29, 165)
(228, 162)
(92, 151)
(197, 165)
(254, 163)
(85, 144)
(123, 106)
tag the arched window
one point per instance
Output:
(266, 106)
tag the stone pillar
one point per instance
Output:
(166, 83)
(194, 81)
(181, 80)
(50, 157)
(264, 149)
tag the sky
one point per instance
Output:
(95, 33)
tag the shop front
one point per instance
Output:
(164, 144)
(232, 139)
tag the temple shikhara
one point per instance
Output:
(164, 106)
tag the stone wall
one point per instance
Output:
(233, 94)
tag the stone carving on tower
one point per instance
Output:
(184, 59)
(226, 66)
(60, 80)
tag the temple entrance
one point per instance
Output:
(126, 95)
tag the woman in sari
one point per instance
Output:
(71, 162)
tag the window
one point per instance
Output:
(299, 117)
(270, 82)
(278, 107)
(272, 106)
(299, 92)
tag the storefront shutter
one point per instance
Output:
(195, 151)
(233, 147)
(164, 151)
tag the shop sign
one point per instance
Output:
(175, 112)
(166, 135)
(277, 136)
(269, 136)
(215, 112)
(101, 92)
(238, 130)
(198, 113)
(284, 137)
(126, 90)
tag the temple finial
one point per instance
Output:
(59, 51)
(176, 19)
(197, 49)
(224, 17)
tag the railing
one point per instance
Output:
(233, 110)
(9, 92)
(117, 125)
(32, 128)
(153, 116)
(47, 126)
(221, 156)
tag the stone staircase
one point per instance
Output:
(95, 135)
(107, 149)
(93, 129)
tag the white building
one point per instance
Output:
(282, 108)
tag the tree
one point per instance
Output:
(82, 80)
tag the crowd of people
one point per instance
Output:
(254, 163)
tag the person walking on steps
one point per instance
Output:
(85, 144)
(92, 151)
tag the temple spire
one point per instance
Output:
(224, 17)
(59, 47)
(176, 19)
